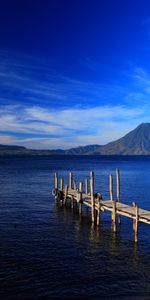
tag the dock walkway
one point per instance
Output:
(98, 204)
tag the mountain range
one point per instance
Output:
(136, 142)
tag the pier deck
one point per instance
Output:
(121, 208)
(97, 204)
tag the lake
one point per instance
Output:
(47, 251)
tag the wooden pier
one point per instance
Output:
(89, 198)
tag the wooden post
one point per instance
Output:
(56, 181)
(136, 224)
(92, 195)
(114, 216)
(111, 191)
(80, 203)
(86, 186)
(118, 190)
(74, 185)
(66, 193)
(99, 209)
(80, 196)
(111, 187)
(81, 186)
(61, 184)
(118, 184)
(134, 205)
(70, 180)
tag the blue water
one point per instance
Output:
(47, 251)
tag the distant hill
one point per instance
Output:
(23, 151)
(6, 147)
(83, 150)
(17, 150)
(136, 142)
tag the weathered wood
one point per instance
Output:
(81, 186)
(80, 196)
(114, 215)
(98, 210)
(134, 205)
(70, 180)
(111, 187)
(118, 189)
(97, 204)
(121, 208)
(92, 195)
(61, 184)
(86, 186)
(136, 224)
(66, 193)
(118, 184)
(111, 191)
(56, 181)
(74, 185)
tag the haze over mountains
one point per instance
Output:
(136, 142)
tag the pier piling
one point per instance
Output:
(80, 197)
(74, 185)
(118, 190)
(136, 223)
(66, 193)
(70, 180)
(98, 209)
(92, 195)
(56, 181)
(86, 186)
(61, 184)
(98, 204)
(111, 187)
(114, 216)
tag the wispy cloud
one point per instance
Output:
(30, 83)
(42, 109)
(67, 127)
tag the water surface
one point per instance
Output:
(47, 251)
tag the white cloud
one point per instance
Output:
(49, 128)
(76, 120)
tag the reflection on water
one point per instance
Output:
(109, 256)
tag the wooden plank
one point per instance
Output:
(121, 208)
(114, 206)
(87, 204)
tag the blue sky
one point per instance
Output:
(73, 72)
